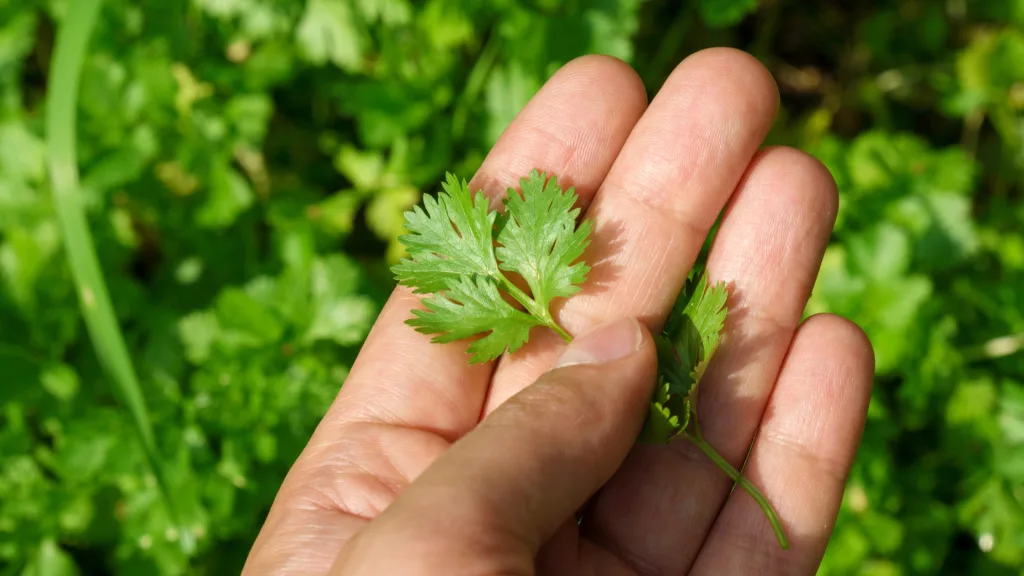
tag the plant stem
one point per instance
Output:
(533, 308)
(561, 331)
(94, 299)
(698, 439)
(475, 82)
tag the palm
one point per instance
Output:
(653, 179)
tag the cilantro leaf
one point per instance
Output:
(470, 307)
(660, 426)
(540, 240)
(455, 244)
(695, 326)
(669, 415)
(449, 238)
(685, 346)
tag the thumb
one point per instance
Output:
(501, 491)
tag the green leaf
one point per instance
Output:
(333, 276)
(17, 36)
(61, 381)
(724, 13)
(384, 211)
(661, 425)
(230, 195)
(880, 253)
(540, 240)
(250, 115)
(339, 314)
(329, 32)
(89, 448)
(453, 256)
(336, 214)
(951, 236)
(695, 325)
(449, 238)
(509, 88)
(1011, 416)
(972, 402)
(391, 12)
(678, 379)
(344, 321)
(124, 165)
(224, 8)
(471, 306)
(22, 153)
(198, 332)
(51, 560)
(364, 168)
(251, 322)
(691, 335)
(24, 258)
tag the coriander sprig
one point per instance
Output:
(453, 257)
(685, 347)
(461, 254)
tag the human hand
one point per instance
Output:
(404, 476)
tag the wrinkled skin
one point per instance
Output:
(403, 477)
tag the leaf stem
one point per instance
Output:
(561, 331)
(542, 314)
(94, 299)
(698, 439)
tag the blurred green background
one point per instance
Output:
(244, 167)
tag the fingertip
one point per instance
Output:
(736, 69)
(748, 65)
(573, 127)
(835, 332)
(613, 74)
(804, 176)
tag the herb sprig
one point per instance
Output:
(461, 254)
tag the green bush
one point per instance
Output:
(244, 166)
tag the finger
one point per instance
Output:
(488, 504)
(767, 250)
(573, 127)
(405, 391)
(802, 455)
(667, 187)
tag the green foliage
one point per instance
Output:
(245, 167)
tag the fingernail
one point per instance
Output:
(607, 343)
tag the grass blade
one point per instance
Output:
(93, 296)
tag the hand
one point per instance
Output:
(427, 465)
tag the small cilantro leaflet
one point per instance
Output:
(449, 238)
(696, 324)
(459, 252)
(474, 306)
(540, 240)
(685, 346)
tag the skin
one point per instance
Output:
(427, 465)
